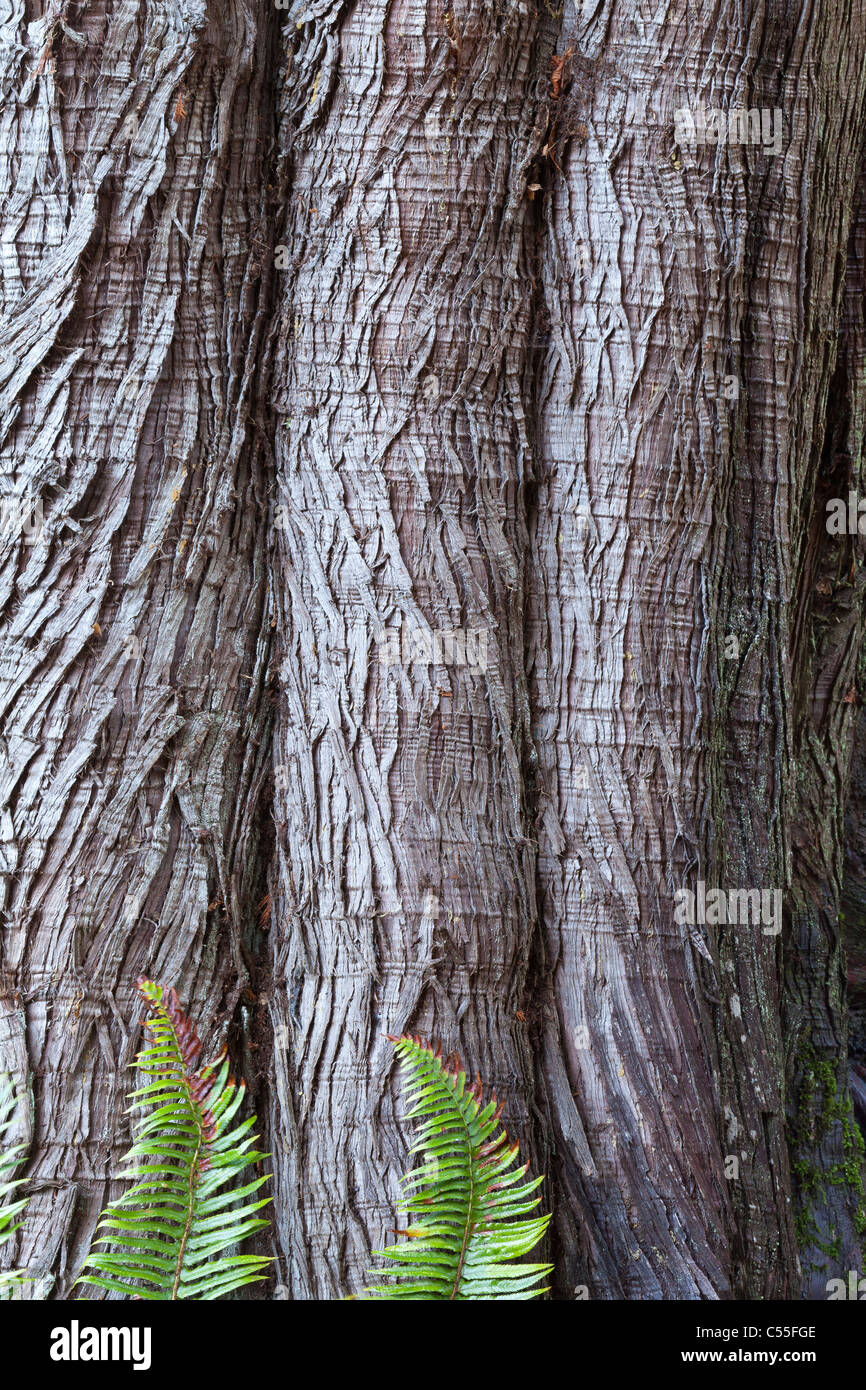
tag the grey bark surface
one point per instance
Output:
(618, 632)
(134, 626)
(668, 519)
(827, 647)
(369, 364)
(404, 889)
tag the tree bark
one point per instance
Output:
(430, 566)
(404, 890)
(669, 519)
(135, 619)
(826, 1148)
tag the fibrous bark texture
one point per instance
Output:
(405, 889)
(688, 731)
(134, 635)
(415, 437)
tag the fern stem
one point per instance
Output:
(188, 1047)
(193, 1174)
(467, 1230)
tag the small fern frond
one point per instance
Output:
(9, 1209)
(171, 1230)
(470, 1202)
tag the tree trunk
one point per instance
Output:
(427, 546)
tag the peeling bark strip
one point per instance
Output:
(405, 883)
(134, 629)
(663, 497)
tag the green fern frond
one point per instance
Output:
(9, 1210)
(471, 1202)
(170, 1232)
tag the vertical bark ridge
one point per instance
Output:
(404, 892)
(683, 339)
(134, 621)
(770, 712)
(826, 1152)
(633, 287)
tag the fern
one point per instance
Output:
(467, 1194)
(173, 1227)
(9, 1210)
